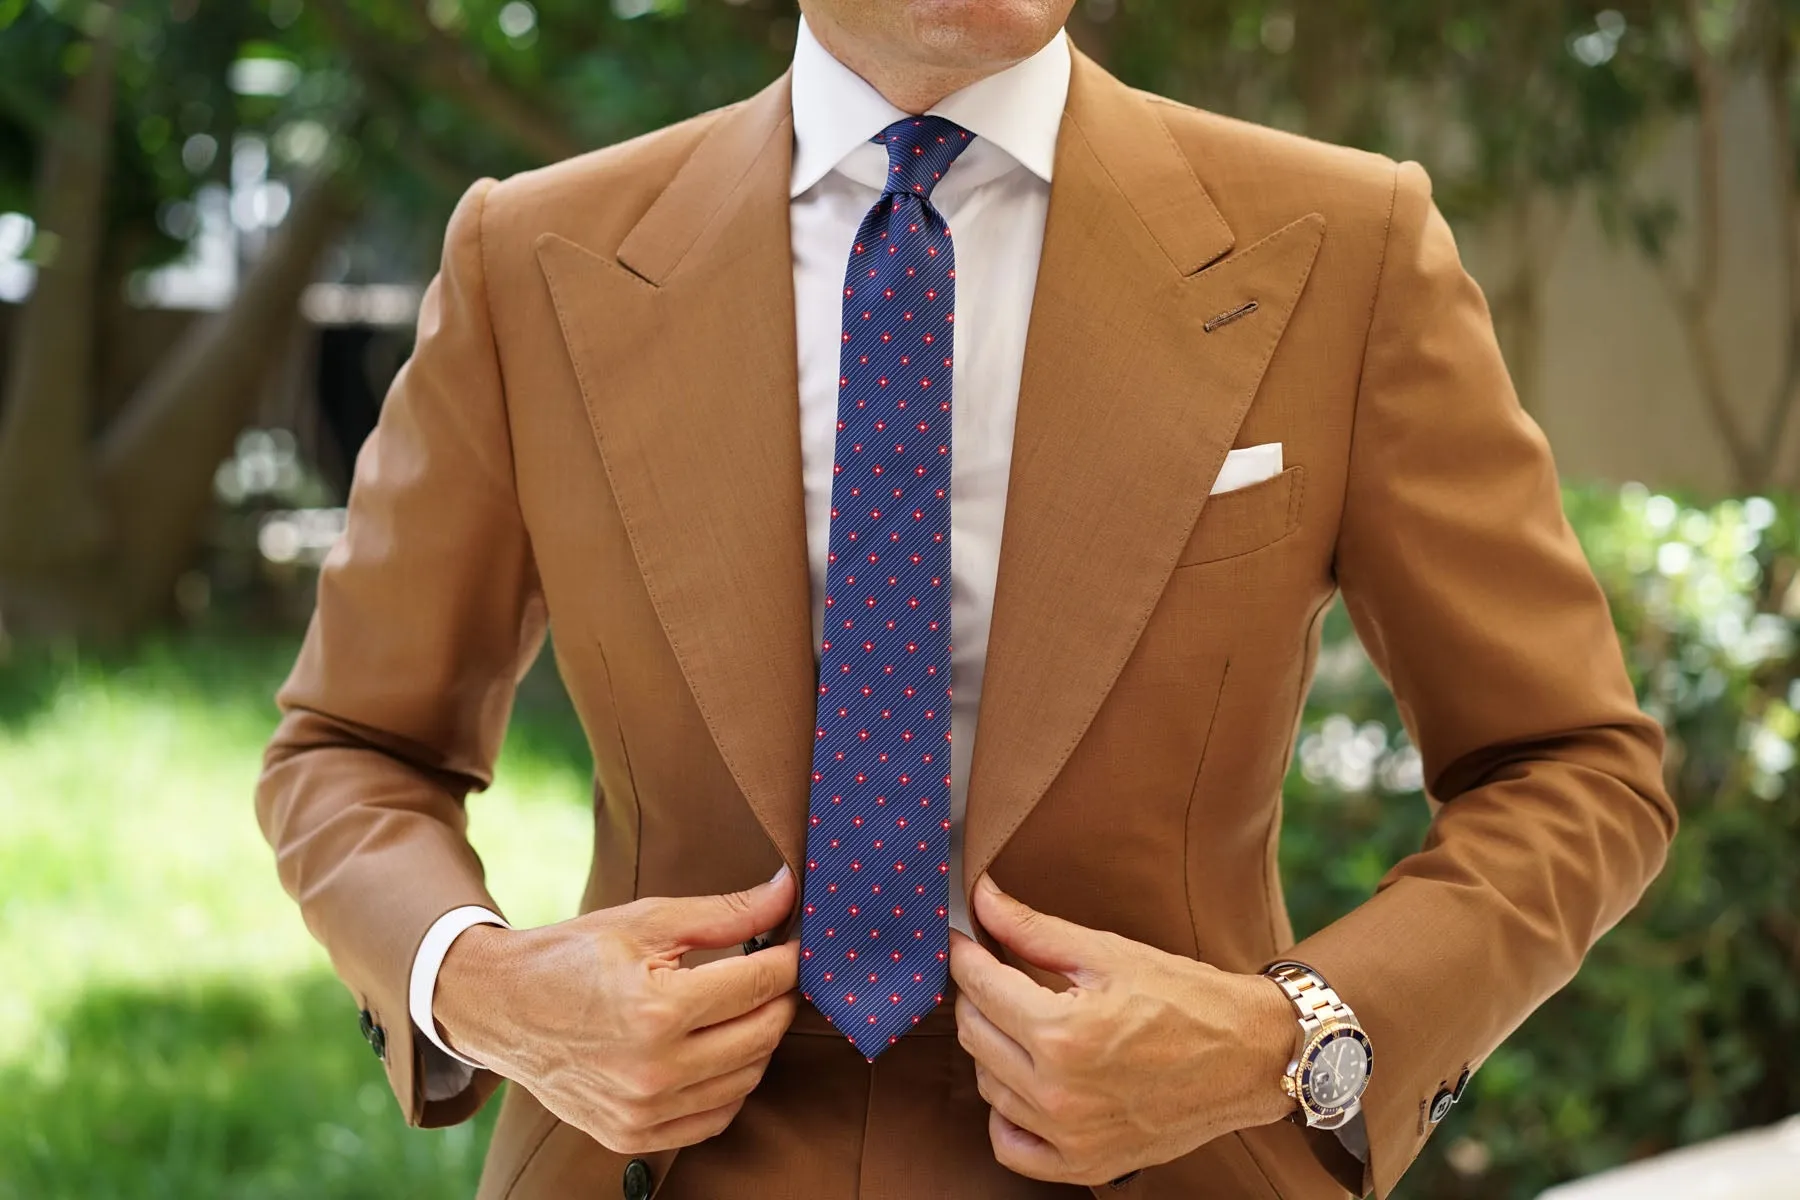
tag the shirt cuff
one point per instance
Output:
(430, 960)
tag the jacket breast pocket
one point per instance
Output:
(1246, 519)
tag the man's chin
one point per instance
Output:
(977, 34)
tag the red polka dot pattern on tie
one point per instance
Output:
(874, 932)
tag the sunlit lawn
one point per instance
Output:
(167, 1026)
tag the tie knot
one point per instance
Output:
(920, 150)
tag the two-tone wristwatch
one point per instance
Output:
(1332, 1059)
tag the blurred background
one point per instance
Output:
(216, 217)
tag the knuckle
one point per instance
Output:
(636, 1143)
(721, 1118)
(658, 1016)
(628, 1087)
(1057, 1102)
(769, 1040)
(1055, 1039)
(633, 1119)
(765, 982)
(1085, 1147)
(757, 1070)
(620, 1138)
(654, 1079)
(1087, 1172)
(650, 910)
(775, 1025)
(984, 1084)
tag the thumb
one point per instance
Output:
(1039, 938)
(680, 924)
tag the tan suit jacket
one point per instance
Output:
(600, 426)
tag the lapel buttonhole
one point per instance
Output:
(1226, 318)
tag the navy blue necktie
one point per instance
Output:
(874, 933)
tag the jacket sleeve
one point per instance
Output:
(1476, 604)
(428, 612)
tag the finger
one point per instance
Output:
(990, 1048)
(730, 987)
(1009, 1102)
(1023, 1152)
(1043, 940)
(1004, 994)
(682, 1131)
(677, 925)
(708, 1094)
(730, 1044)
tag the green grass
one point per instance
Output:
(167, 1026)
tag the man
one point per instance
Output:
(1185, 378)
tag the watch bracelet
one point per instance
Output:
(1314, 1000)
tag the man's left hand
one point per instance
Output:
(1146, 1056)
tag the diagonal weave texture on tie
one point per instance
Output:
(874, 934)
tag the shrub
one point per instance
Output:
(1685, 1021)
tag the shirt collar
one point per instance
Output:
(1019, 109)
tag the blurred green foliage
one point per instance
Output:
(214, 1091)
(418, 97)
(1685, 1021)
(168, 1028)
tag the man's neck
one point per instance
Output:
(910, 87)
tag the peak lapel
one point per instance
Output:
(1127, 409)
(684, 348)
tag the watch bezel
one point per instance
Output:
(1309, 1055)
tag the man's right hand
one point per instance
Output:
(597, 1018)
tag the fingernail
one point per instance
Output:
(987, 883)
(776, 877)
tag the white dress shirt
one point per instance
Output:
(995, 196)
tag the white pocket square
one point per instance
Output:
(1251, 464)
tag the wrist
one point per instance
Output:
(467, 999)
(1272, 1035)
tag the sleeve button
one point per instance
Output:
(1440, 1105)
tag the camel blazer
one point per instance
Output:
(599, 429)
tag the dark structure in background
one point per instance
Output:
(328, 395)
(353, 366)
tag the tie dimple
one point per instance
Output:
(874, 935)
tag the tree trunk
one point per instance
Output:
(1695, 299)
(1778, 87)
(95, 530)
(1535, 224)
(51, 529)
(154, 466)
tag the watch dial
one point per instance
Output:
(1338, 1072)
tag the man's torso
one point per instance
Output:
(1147, 657)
